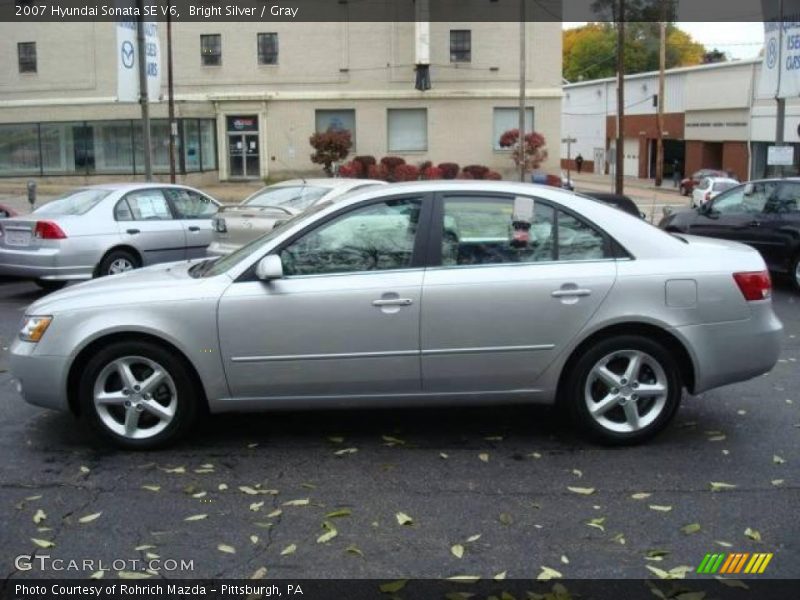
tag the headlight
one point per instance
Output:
(33, 328)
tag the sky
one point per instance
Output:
(739, 40)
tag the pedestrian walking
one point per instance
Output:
(676, 173)
(579, 162)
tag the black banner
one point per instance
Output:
(464, 588)
(391, 10)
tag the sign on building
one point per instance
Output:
(127, 51)
(780, 156)
(780, 70)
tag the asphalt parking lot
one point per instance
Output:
(510, 490)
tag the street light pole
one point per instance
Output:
(173, 125)
(660, 138)
(522, 92)
(620, 158)
(143, 98)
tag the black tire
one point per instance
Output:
(104, 268)
(794, 273)
(50, 285)
(575, 392)
(188, 397)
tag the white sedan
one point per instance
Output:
(709, 188)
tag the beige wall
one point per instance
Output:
(367, 67)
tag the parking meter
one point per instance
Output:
(32, 192)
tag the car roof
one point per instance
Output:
(116, 187)
(331, 182)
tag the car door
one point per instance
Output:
(780, 226)
(497, 310)
(344, 319)
(146, 222)
(194, 211)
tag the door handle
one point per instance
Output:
(132, 231)
(575, 293)
(393, 302)
(194, 228)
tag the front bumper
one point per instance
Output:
(42, 378)
(726, 353)
(41, 263)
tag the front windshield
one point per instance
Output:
(76, 202)
(298, 197)
(214, 268)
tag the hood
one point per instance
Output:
(167, 282)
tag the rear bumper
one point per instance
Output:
(41, 263)
(726, 353)
(42, 379)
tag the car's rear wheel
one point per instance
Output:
(138, 395)
(623, 390)
(794, 271)
(50, 285)
(117, 261)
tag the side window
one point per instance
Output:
(578, 240)
(188, 204)
(148, 205)
(479, 231)
(730, 203)
(377, 237)
(122, 211)
(785, 200)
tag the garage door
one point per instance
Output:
(631, 149)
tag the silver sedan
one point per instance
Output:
(104, 230)
(412, 294)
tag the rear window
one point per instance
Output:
(721, 186)
(77, 202)
(296, 197)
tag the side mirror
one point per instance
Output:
(748, 189)
(270, 267)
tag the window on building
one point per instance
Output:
(408, 129)
(268, 48)
(460, 45)
(338, 120)
(508, 118)
(208, 145)
(26, 53)
(211, 50)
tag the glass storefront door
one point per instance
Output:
(243, 148)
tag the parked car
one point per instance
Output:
(763, 214)
(106, 229)
(6, 211)
(414, 294)
(620, 201)
(688, 184)
(709, 188)
(236, 225)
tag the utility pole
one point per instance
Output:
(143, 99)
(661, 66)
(780, 121)
(173, 124)
(523, 72)
(619, 185)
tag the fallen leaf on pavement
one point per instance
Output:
(404, 519)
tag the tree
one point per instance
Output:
(330, 146)
(588, 51)
(714, 56)
(535, 152)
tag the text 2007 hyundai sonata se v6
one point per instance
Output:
(414, 294)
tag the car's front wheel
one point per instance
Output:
(794, 272)
(50, 285)
(138, 395)
(623, 390)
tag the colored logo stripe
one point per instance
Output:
(734, 563)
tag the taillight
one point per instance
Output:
(47, 230)
(755, 285)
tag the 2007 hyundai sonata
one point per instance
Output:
(413, 294)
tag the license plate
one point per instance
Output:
(18, 238)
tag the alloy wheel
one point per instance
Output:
(626, 391)
(135, 397)
(120, 265)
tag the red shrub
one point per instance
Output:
(365, 162)
(330, 146)
(432, 173)
(465, 175)
(392, 162)
(379, 172)
(534, 151)
(449, 170)
(493, 175)
(425, 165)
(406, 173)
(477, 171)
(351, 169)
